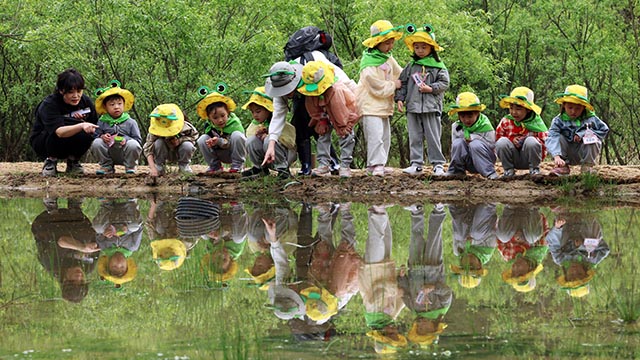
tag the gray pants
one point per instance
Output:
(579, 153)
(527, 157)
(182, 154)
(379, 239)
(116, 154)
(527, 220)
(425, 126)
(256, 149)
(475, 156)
(427, 252)
(234, 154)
(323, 147)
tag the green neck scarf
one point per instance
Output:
(481, 125)
(433, 314)
(430, 61)
(115, 249)
(374, 57)
(111, 121)
(585, 115)
(233, 124)
(532, 123)
(264, 123)
(483, 253)
(535, 253)
(377, 320)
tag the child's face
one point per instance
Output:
(259, 113)
(72, 97)
(114, 107)
(576, 271)
(573, 110)
(118, 264)
(262, 264)
(386, 46)
(520, 267)
(74, 275)
(468, 118)
(422, 49)
(426, 326)
(518, 112)
(471, 262)
(219, 117)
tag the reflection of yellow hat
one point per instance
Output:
(523, 283)
(103, 264)
(317, 77)
(264, 277)
(522, 96)
(321, 304)
(424, 339)
(385, 344)
(214, 97)
(469, 278)
(381, 31)
(422, 34)
(169, 254)
(466, 101)
(113, 89)
(259, 97)
(166, 120)
(215, 276)
(576, 288)
(576, 94)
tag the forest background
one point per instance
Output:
(163, 51)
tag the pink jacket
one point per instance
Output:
(337, 105)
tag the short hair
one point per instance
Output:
(110, 97)
(213, 106)
(68, 80)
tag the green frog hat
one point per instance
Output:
(381, 31)
(317, 77)
(466, 101)
(422, 34)
(522, 96)
(576, 94)
(113, 89)
(166, 120)
(209, 97)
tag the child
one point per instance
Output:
(424, 81)
(521, 134)
(170, 137)
(378, 82)
(261, 106)
(472, 139)
(330, 104)
(118, 139)
(576, 134)
(224, 140)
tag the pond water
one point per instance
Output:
(189, 278)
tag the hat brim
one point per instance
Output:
(574, 100)
(213, 98)
(569, 285)
(214, 276)
(277, 91)
(421, 37)
(424, 339)
(132, 270)
(126, 95)
(280, 292)
(324, 84)
(259, 100)
(479, 108)
(166, 248)
(511, 280)
(375, 40)
(508, 100)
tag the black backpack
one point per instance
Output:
(302, 42)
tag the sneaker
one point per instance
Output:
(560, 170)
(185, 168)
(305, 170)
(234, 170)
(438, 170)
(322, 171)
(413, 170)
(588, 169)
(534, 171)
(453, 173)
(50, 168)
(492, 176)
(414, 208)
(130, 171)
(387, 170)
(105, 171)
(344, 172)
(74, 167)
(508, 173)
(213, 170)
(378, 171)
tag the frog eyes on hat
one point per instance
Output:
(112, 84)
(412, 28)
(220, 88)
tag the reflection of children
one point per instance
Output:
(67, 247)
(521, 232)
(379, 73)
(261, 106)
(521, 134)
(118, 140)
(424, 81)
(170, 137)
(474, 241)
(224, 139)
(378, 284)
(576, 134)
(472, 139)
(331, 105)
(424, 289)
(576, 244)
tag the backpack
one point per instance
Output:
(310, 38)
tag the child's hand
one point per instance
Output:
(576, 138)
(559, 223)
(153, 171)
(174, 142)
(517, 141)
(426, 89)
(107, 138)
(270, 154)
(400, 106)
(398, 84)
(558, 161)
(212, 141)
(270, 227)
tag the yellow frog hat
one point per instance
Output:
(321, 304)
(576, 94)
(466, 101)
(522, 96)
(386, 345)
(317, 77)
(579, 287)
(381, 31)
(209, 97)
(259, 97)
(169, 254)
(424, 339)
(523, 283)
(103, 271)
(113, 89)
(423, 34)
(166, 120)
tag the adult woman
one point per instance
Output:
(64, 124)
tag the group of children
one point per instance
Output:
(336, 103)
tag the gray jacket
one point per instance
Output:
(415, 101)
(567, 129)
